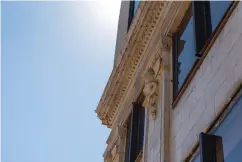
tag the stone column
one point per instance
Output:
(165, 98)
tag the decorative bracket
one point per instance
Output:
(150, 92)
(151, 82)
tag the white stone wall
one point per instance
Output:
(122, 29)
(211, 87)
(153, 147)
(153, 144)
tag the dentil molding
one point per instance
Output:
(135, 46)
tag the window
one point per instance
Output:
(184, 41)
(135, 133)
(231, 133)
(132, 11)
(217, 10)
(200, 21)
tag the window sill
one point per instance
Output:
(208, 45)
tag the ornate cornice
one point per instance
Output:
(153, 20)
(133, 50)
(145, 47)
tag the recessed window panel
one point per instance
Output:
(231, 132)
(193, 36)
(135, 133)
(186, 55)
(217, 11)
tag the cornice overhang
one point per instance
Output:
(115, 142)
(114, 83)
(136, 42)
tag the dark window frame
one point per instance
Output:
(211, 148)
(175, 56)
(203, 40)
(135, 133)
(131, 14)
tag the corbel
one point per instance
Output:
(150, 92)
(151, 76)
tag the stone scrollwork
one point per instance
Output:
(150, 92)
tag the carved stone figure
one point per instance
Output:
(150, 92)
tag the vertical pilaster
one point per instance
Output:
(165, 98)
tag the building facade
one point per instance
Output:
(175, 90)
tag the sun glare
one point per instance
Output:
(107, 11)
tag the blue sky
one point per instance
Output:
(56, 60)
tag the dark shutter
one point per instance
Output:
(128, 140)
(202, 24)
(141, 125)
(134, 133)
(211, 148)
(175, 65)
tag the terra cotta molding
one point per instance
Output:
(152, 16)
(122, 75)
